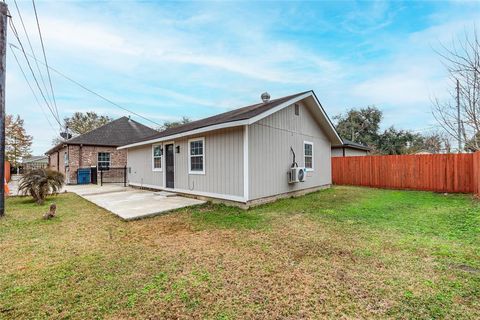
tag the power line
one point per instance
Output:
(90, 90)
(31, 49)
(15, 33)
(45, 57)
(33, 92)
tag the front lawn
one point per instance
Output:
(343, 252)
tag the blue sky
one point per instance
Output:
(168, 59)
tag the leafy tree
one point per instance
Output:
(39, 183)
(435, 143)
(82, 122)
(171, 124)
(393, 141)
(360, 125)
(17, 141)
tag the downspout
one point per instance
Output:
(80, 148)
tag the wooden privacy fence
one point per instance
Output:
(435, 172)
(476, 173)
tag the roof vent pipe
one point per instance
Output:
(265, 97)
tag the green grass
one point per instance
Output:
(343, 252)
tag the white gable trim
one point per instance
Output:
(278, 108)
(290, 102)
(241, 122)
(187, 133)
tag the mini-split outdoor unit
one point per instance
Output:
(297, 174)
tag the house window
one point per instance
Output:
(196, 156)
(65, 159)
(157, 152)
(103, 160)
(308, 155)
(297, 109)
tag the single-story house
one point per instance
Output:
(248, 155)
(350, 149)
(97, 148)
(34, 162)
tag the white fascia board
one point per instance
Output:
(242, 123)
(278, 108)
(187, 133)
(340, 141)
(294, 100)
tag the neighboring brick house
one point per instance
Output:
(97, 148)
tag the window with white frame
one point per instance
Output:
(308, 155)
(157, 157)
(103, 160)
(196, 156)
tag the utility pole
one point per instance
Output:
(458, 119)
(3, 69)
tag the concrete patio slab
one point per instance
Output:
(129, 203)
(92, 189)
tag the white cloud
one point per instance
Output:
(201, 58)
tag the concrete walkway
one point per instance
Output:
(13, 184)
(129, 203)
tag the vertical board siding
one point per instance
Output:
(437, 172)
(139, 161)
(270, 157)
(223, 163)
(476, 173)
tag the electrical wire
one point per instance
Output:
(33, 92)
(45, 57)
(32, 51)
(91, 91)
(15, 33)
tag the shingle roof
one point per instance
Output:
(35, 158)
(354, 145)
(229, 116)
(116, 133)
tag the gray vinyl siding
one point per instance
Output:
(139, 161)
(349, 152)
(223, 163)
(270, 157)
(223, 152)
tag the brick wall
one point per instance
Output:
(85, 156)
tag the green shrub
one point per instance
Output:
(39, 183)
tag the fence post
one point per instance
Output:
(125, 176)
(101, 177)
(476, 174)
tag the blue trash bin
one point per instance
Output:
(83, 176)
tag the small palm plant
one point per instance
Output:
(40, 182)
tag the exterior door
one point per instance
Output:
(169, 166)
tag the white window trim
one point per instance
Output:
(313, 156)
(189, 155)
(161, 158)
(109, 159)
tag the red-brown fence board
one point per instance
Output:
(7, 171)
(436, 172)
(476, 174)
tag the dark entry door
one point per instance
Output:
(169, 166)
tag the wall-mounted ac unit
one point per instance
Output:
(297, 174)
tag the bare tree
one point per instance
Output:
(462, 60)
